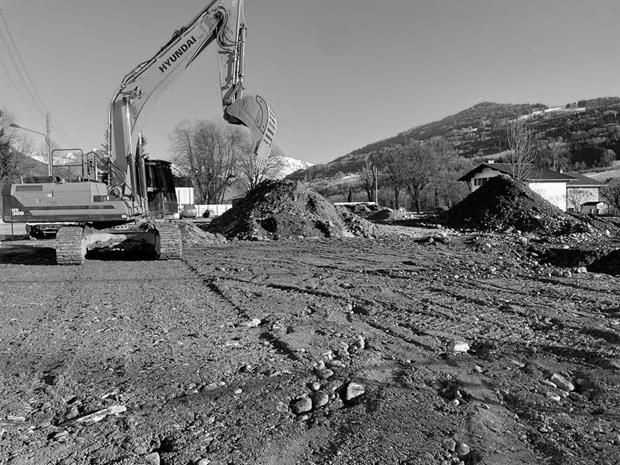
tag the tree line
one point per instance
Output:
(427, 171)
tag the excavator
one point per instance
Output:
(112, 201)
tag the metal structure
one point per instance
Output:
(113, 206)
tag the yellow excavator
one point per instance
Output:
(122, 203)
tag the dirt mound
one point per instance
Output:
(504, 204)
(285, 209)
(609, 264)
(195, 236)
(386, 214)
(357, 225)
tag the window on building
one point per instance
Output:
(480, 181)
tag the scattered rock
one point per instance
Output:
(315, 386)
(325, 373)
(253, 323)
(152, 459)
(449, 444)
(458, 347)
(301, 406)
(72, 412)
(319, 399)
(462, 449)
(562, 383)
(101, 414)
(353, 391)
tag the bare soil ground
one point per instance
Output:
(411, 348)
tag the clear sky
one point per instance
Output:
(338, 73)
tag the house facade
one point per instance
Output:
(582, 193)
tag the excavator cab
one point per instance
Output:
(253, 112)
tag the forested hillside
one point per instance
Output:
(588, 130)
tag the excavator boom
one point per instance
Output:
(222, 21)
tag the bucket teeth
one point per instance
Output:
(253, 112)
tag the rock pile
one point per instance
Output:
(194, 236)
(286, 210)
(388, 215)
(505, 204)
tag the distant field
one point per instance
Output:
(612, 172)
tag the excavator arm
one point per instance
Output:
(222, 21)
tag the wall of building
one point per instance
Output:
(480, 178)
(185, 196)
(214, 210)
(576, 196)
(552, 192)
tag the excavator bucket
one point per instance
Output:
(253, 112)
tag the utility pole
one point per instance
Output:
(375, 176)
(48, 141)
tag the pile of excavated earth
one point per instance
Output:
(505, 204)
(288, 210)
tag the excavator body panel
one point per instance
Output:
(62, 202)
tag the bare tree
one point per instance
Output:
(391, 161)
(11, 158)
(443, 158)
(209, 155)
(611, 193)
(255, 170)
(576, 197)
(369, 179)
(522, 148)
(418, 168)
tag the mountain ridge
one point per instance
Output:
(479, 131)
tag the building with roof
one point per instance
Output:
(550, 185)
(583, 191)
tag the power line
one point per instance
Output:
(16, 60)
(27, 82)
(17, 89)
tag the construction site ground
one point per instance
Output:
(414, 347)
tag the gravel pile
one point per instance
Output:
(194, 236)
(287, 210)
(504, 204)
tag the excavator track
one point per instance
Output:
(170, 243)
(70, 245)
